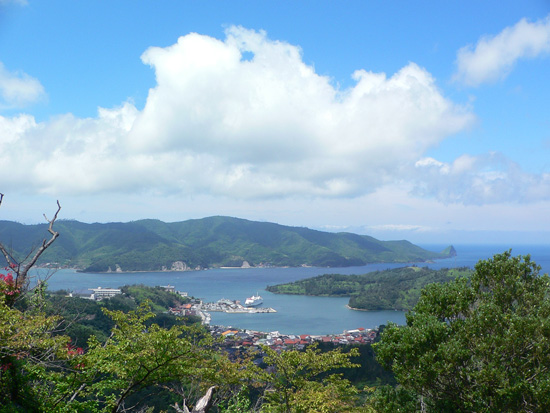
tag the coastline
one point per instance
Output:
(364, 309)
(404, 263)
(357, 309)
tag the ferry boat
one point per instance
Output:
(253, 301)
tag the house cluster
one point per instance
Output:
(275, 340)
(183, 310)
(190, 309)
(235, 338)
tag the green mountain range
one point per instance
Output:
(152, 245)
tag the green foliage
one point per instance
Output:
(297, 381)
(148, 245)
(239, 403)
(158, 296)
(388, 399)
(369, 372)
(477, 345)
(81, 318)
(136, 357)
(28, 352)
(395, 289)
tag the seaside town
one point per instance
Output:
(249, 338)
(235, 338)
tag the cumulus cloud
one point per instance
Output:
(221, 122)
(477, 180)
(18, 90)
(493, 57)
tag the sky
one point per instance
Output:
(426, 121)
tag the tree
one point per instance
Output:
(29, 352)
(478, 344)
(20, 268)
(300, 381)
(139, 356)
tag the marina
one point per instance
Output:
(232, 306)
(203, 310)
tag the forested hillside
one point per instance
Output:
(152, 245)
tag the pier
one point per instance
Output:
(229, 306)
(203, 310)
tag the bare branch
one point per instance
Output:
(204, 402)
(7, 256)
(202, 406)
(22, 269)
(9, 259)
(177, 408)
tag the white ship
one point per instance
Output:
(254, 301)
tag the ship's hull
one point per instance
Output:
(253, 301)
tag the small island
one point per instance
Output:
(395, 289)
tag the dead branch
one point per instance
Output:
(202, 406)
(9, 259)
(21, 269)
(45, 244)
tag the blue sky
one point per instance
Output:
(425, 121)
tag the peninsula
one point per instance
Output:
(395, 289)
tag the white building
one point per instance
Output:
(101, 293)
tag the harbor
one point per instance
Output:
(233, 306)
(203, 310)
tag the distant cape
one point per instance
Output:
(213, 242)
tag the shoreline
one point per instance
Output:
(404, 263)
(357, 309)
(364, 309)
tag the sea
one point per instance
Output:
(295, 314)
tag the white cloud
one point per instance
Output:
(217, 123)
(399, 228)
(18, 89)
(266, 128)
(272, 126)
(493, 57)
(477, 180)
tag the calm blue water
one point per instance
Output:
(295, 314)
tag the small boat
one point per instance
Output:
(253, 301)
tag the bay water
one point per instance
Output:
(295, 314)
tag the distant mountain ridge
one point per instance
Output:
(218, 241)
